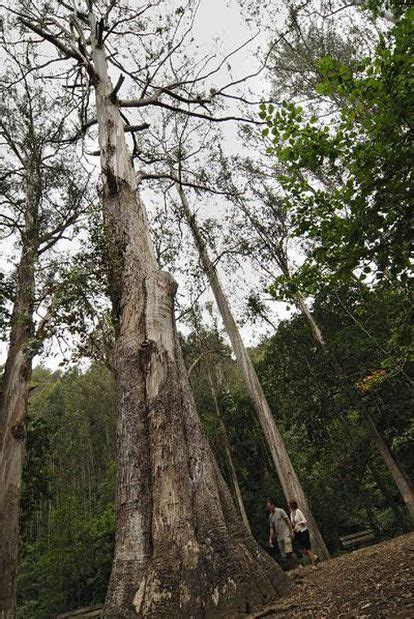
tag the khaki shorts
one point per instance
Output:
(285, 546)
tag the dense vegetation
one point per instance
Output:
(68, 505)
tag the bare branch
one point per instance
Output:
(148, 176)
(155, 103)
(203, 354)
(133, 128)
(113, 95)
(69, 52)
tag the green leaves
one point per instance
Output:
(348, 178)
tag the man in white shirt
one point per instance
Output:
(281, 528)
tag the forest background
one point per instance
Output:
(321, 212)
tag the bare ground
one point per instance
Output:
(377, 581)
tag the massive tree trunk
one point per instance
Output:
(13, 405)
(180, 547)
(290, 483)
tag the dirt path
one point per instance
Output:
(372, 582)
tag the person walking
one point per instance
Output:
(281, 528)
(301, 533)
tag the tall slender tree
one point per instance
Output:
(42, 198)
(269, 245)
(284, 467)
(338, 181)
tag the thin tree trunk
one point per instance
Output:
(13, 411)
(401, 482)
(291, 486)
(180, 549)
(13, 404)
(313, 325)
(372, 518)
(406, 491)
(399, 514)
(227, 450)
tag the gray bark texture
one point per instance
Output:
(14, 398)
(288, 478)
(181, 549)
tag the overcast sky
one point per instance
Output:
(219, 25)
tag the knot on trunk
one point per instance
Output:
(170, 283)
(111, 184)
(145, 353)
(18, 431)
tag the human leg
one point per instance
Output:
(281, 544)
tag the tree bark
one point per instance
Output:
(313, 325)
(227, 450)
(180, 548)
(14, 399)
(290, 483)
